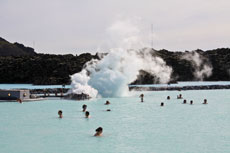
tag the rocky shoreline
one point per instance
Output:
(204, 87)
(22, 65)
(137, 88)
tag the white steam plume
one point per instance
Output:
(111, 75)
(202, 68)
(80, 84)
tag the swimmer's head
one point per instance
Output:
(87, 114)
(108, 110)
(19, 100)
(205, 101)
(162, 104)
(191, 102)
(84, 107)
(60, 113)
(184, 101)
(142, 95)
(98, 131)
(107, 102)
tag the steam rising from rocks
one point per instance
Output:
(110, 76)
(201, 65)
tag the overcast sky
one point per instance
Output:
(76, 26)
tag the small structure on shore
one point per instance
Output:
(15, 94)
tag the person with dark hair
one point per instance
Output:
(142, 97)
(84, 107)
(168, 97)
(179, 96)
(98, 131)
(107, 102)
(60, 113)
(185, 101)
(87, 114)
(162, 104)
(191, 102)
(19, 100)
(108, 110)
(205, 101)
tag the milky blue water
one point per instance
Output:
(131, 126)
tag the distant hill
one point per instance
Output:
(14, 49)
(18, 66)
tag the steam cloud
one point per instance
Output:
(110, 76)
(202, 69)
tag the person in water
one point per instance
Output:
(179, 96)
(108, 110)
(142, 97)
(84, 107)
(87, 114)
(168, 97)
(107, 102)
(184, 102)
(191, 102)
(205, 101)
(60, 113)
(19, 100)
(162, 104)
(98, 132)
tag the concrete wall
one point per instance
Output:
(24, 94)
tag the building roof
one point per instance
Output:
(14, 90)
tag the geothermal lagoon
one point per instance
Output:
(130, 126)
(115, 51)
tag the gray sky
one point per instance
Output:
(76, 26)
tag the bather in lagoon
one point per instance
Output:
(99, 131)
(60, 113)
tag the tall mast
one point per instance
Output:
(151, 35)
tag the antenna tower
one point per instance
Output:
(151, 35)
